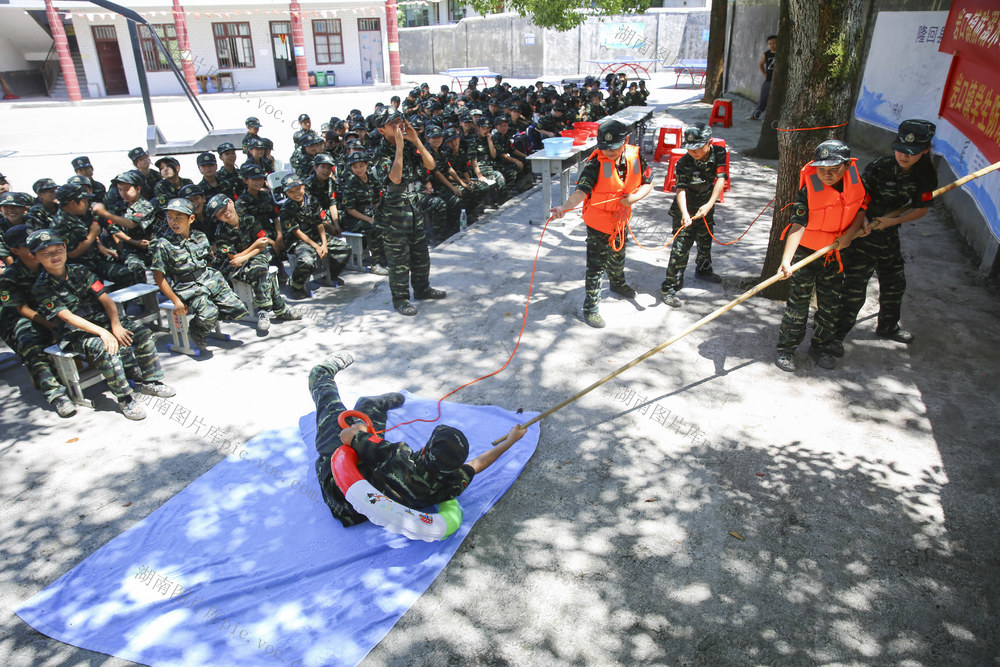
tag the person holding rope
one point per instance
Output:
(891, 182)
(615, 177)
(701, 178)
(830, 207)
(432, 475)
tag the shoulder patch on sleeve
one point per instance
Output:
(97, 286)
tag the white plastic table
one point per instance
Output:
(549, 165)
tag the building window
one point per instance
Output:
(456, 11)
(329, 42)
(152, 57)
(414, 17)
(233, 45)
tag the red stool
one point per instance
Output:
(668, 139)
(675, 155)
(722, 112)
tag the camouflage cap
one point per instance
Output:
(136, 153)
(252, 171)
(43, 238)
(21, 199)
(447, 449)
(354, 144)
(190, 190)
(433, 132)
(181, 206)
(215, 205)
(225, 147)
(484, 121)
(696, 136)
(169, 161)
(831, 153)
(914, 136)
(323, 158)
(451, 133)
(17, 236)
(130, 177)
(252, 122)
(71, 192)
(43, 184)
(611, 134)
(360, 156)
(390, 116)
(502, 118)
(291, 181)
(206, 158)
(303, 117)
(81, 162)
(312, 139)
(256, 142)
(80, 180)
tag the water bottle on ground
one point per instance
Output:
(463, 221)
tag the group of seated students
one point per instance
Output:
(62, 247)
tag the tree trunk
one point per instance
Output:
(716, 50)
(822, 63)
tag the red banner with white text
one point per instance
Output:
(971, 102)
(973, 31)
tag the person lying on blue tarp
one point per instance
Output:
(436, 473)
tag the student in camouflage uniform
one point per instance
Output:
(244, 252)
(21, 327)
(518, 123)
(302, 225)
(510, 162)
(42, 213)
(633, 98)
(401, 171)
(312, 145)
(185, 258)
(257, 150)
(253, 132)
(603, 190)
(442, 187)
(82, 167)
(322, 187)
(170, 183)
(891, 182)
(211, 184)
(229, 172)
(195, 195)
(473, 191)
(551, 124)
(79, 228)
(438, 472)
(595, 111)
(360, 196)
(136, 227)
(4, 185)
(829, 208)
(701, 178)
(305, 127)
(88, 323)
(140, 160)
(484, 155)
(256, 204)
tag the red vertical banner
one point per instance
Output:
(973, 31)
(971, 102)
(184, 44)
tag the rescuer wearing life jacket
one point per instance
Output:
(614, 178)
(829, 207)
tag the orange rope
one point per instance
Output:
(744, 233)
(806, 129)
(524, 323)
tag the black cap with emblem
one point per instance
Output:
(43, 238)
(914, 136)
(611, 134)
(216, 204)
(831, 153)
(696, 136)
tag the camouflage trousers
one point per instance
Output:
(681, 250)
(518, 180)
(136, 260)
(441, 215)
(373, 237)
(473, 196)
(121, 275)
(877, 253)
(500, 190)
(601, 258)
(29, 341)
(329, 405)
(409, 261)
(307, 260)
(208, 299)
(824, 277)
(140, 356)
(266, 294)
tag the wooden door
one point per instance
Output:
(110, 58)
(370, 43)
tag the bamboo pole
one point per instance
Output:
(740, 299)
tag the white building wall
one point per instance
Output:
(199, 23)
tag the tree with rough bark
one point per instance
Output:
(816, 71)
(561, 15)
(716, 50)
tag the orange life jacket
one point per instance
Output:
(602, 206)
(830, 211)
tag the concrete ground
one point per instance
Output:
(704, 508)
